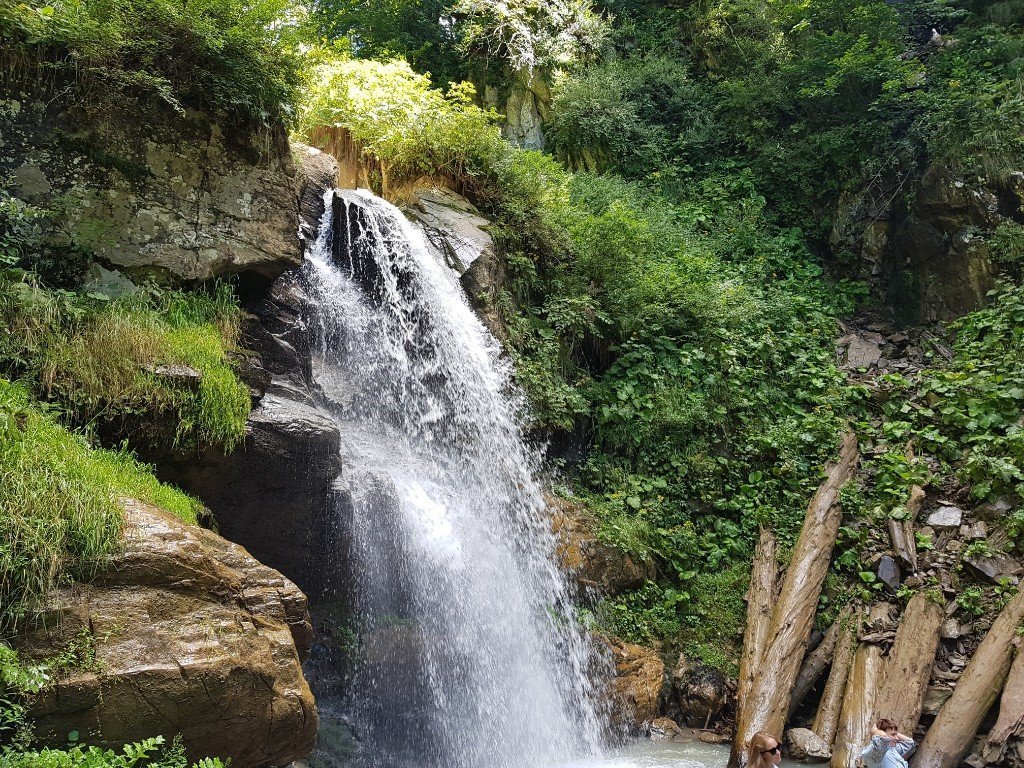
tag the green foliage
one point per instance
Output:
(390, 29)
(100, 360)
(399, 120)
(967, 412)
(60, 509)
(530, 34)
(232, 55)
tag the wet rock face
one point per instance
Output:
(637, 687)
(701, 692)
(153, 192)
(597, 567)
(191, 636)
(931, 261)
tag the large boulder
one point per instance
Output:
(151, 191)
(597, 567)
(637, 685)
(701, 692)
(190, 635)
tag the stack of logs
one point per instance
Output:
(865, 681)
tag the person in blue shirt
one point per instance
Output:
(888, 747)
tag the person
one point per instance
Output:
(888, 747)
(763, 751)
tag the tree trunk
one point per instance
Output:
(826, 721)
(958, 720)
(817, 661)
(1008, 732)
(859, 699)
(766, 702)
(760, 599)
(909, 666)
(901, 532)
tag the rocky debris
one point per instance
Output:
(994, 511)
(995, 567)
(946, 518)
(176, 375)
(862, 353)
(974, 531)
(636, 688)
(597, 566)
(950, 630)
(888, 572)
(172, 195)
(805, 745)
(665, 729)
(191, 635)
(934, 698)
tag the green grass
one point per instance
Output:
(61, 515)
(97, 361)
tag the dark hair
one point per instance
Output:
(884, 724)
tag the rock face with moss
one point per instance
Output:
(153, 192)
(182, 632)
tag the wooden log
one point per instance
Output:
(1008, 732)
(901, 532)
(854, 727)
(957, 722)
(761, 597)
(817, 661)
(909, 665)
(826, 721)
(766, 703)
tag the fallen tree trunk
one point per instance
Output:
(817, 662)
(761, 597)
(909, 666)
(826, 721)
(976, 690)
(1008, 732)
(766, 702)
(854, 726)
(901, 532)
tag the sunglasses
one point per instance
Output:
(773, 751)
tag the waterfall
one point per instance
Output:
(469, 653)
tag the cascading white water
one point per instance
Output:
(470, 655)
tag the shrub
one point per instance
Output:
(231, 55)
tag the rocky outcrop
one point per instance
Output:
(150, 191)
(597, 567)
(637, 686)
(272, 494)
(930, 260)
(188, 634)
(526, 104)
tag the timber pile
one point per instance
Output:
(925, 664)
(773, 656)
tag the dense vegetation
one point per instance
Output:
(673, 294)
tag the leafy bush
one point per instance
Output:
(231, 55)
(60, 509)
(400, 121)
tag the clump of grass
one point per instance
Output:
(61, 513)
(100, 361)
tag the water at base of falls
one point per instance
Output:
(468, 652)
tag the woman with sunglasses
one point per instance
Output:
(763, 751)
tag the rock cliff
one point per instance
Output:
(188, 634)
